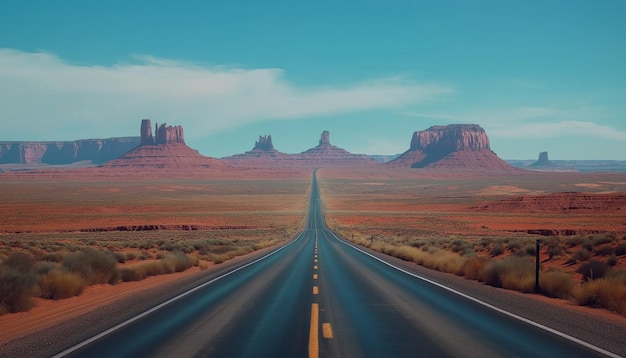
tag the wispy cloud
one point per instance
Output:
(532, 122)
(40, 90)
(560, 129)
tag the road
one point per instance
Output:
(320, 296)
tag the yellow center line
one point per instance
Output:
(315, 276)
(327, 330)
(314, 348)
(315, 290)
(315, 260)
(315, 267)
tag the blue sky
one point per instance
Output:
(537, 75)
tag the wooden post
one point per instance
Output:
(538, 243)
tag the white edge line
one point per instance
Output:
(173, 299)
(510, 314)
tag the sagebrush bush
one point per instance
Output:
(496, 249)
(580, 255)
(620, 250)
(513, 272)
(59, 284)
(593, 270)
(605, 250)
(605, 292)
(17, 283)
(94, 266)
(556, 284)
(473, 268)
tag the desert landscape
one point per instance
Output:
(80, 237)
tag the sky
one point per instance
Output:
(536, 75)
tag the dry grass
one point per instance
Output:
(608, 293)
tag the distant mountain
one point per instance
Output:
(323, 155)
(65, 152)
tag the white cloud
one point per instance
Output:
(40, 90)
(560, 129)
(533, 122)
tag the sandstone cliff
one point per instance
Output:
(96, 150)
(164, 134)
(452, 146)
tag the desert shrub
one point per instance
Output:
(605, 292)
(131, 255)
(593, 270)
(556, 284)
(618, 275)
(473, 268)
(43, 267)
(620, 250)
(588, 244)
(572, 241)
(605, 250)
(528, 250)
(19, 261)
(496, 249)
(59, 284)
(52, 257)
(120, 257)
(554, 248)
(94, 266)
(600, 239)
(513, 272)
(514, 245)
(218, 258)
(176, 262)
(612, 260)
(17, 283)
(580, 255)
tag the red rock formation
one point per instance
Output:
(327, 155)
(324, 155)
(94, 150)
(146, 132)
(543, 162)
(461, 146)
(168, 134)
(262, 155)
(325, 138)
(168, 152)
(264, 144)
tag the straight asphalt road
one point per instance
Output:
(319, 296)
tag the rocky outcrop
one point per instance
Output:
(146, 132)
(326, 154)
(264, 144)
(543, 162)
(455, 146)
(262, 155)
(562, 203)
(166, 150)
(95, 150)
(164, 134)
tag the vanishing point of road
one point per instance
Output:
(320, 296)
